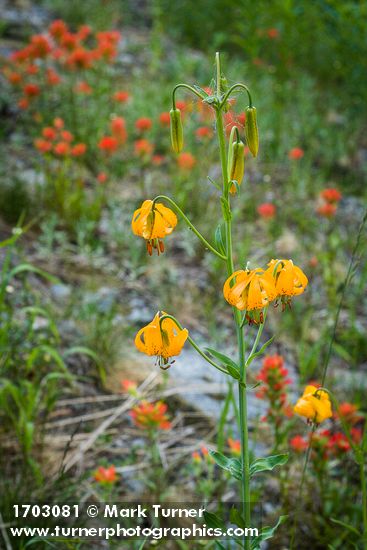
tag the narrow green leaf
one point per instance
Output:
(231, 465)
(219, 241)
(210, 99)
(260, 352)
(236, 518)
(32, 269)
(224, 359)
(268, 463)
(212, 520)
(200, 90)
(347, 526)
(234, 372)
(267, 533)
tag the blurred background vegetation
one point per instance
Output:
(306, 65)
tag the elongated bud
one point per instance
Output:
(251, 131)
(237, 168)
(176, 130)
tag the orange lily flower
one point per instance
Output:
(314, 405)
(289, 279)
(153, 223)
(165, 340)
(251, 290)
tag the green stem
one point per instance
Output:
(187, 87)
(196, 347)
(364, 502)
(245, 484)
(258, 336)
(308, 454)
(239, 85)
(191, 341)
(192, 227)
(345, 285)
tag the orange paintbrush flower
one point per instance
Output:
(289, 279)
(314, 405)
(150, 416)
(163, 339)
(105, 475)
(234, 445)
(152, 222)
(251, 290)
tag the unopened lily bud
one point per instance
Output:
(251, 131)
(237, 168)
(176, 130)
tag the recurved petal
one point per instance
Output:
(300, 280)
(234, 287)
(323, 409)
(309, 390)
(140, 216)
(149, 340)
(169, 218)
(256, 298)
(176, 343)
(285, 281)
(304, 407)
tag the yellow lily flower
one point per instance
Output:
(315, 405)
(153, 223)
(163, 339)
(289, 279)
(250, 290)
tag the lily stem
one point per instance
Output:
(242, 392)
(192, 227)
(191, 341)
(258, 336)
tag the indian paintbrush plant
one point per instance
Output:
(249, 290)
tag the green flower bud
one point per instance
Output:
(251, 131)
(237, 168)
(176, 130)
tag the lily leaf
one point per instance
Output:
(219, 241)
(267, 533)
(210, 99)
(213, 521)
(236, 518)
(268, 463)
(260, 352)
(231, 465)
(222, 358)
(227, 362)
(200, 90)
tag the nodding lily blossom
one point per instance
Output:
(250, 290)
(289, 279)
(152, 222)
(314, 405)
(163, 339)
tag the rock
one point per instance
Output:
(60, 292)
(139, 314)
